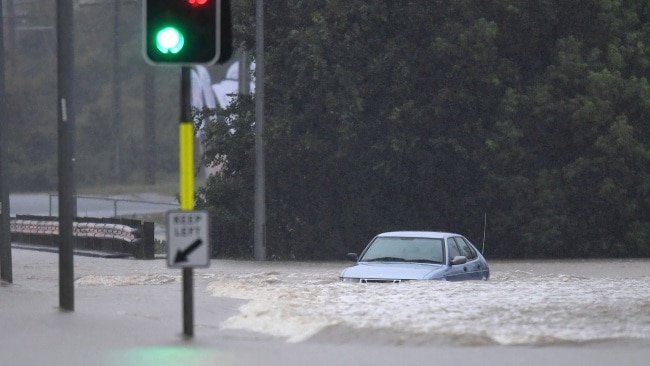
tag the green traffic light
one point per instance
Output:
(185, 32)
(170, 40)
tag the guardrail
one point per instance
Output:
(122, 237)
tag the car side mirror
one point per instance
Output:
(353, 257)
(459, 259)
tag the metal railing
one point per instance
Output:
(115, 202)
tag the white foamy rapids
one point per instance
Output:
(138, 279)
(512, 308)
(147, 279)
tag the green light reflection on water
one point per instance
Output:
(166, 356)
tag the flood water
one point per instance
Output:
(523, 303)
(128, 312)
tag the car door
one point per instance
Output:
(456, 272)
(473, 265)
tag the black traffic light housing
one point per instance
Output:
(187, 32)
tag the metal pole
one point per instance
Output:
(5, 219)
(117, 95)
(149, 137)
(65, 72)
(188, 302)
(244, 73)
(186, 143)
(186, 175)
(259, 247)
(11, 28)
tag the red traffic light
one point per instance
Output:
(196, 3)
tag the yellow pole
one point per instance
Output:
(186, 169)
(186, 176)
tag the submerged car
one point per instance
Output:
(417, 255)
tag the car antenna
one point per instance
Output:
(484, 228)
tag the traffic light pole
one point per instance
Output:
(186, 175)
(186, 33)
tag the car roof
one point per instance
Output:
(418, 234)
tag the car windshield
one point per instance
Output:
(420, 250)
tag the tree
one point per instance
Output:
(427, 115)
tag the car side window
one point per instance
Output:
(465, 249)
(471, 249)
(453, 249)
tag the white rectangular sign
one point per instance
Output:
(188, 239)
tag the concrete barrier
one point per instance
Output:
(125, 237)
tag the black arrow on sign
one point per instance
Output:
(181, 255)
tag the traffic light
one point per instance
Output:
(182, 32)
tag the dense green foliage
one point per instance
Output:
(428, 115)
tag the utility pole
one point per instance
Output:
(5, 219)
(11, 37)
(66, 123)
(117, 96)
(259, 247)
(149, 140)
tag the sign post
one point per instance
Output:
(188, 246)
(187, 230)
